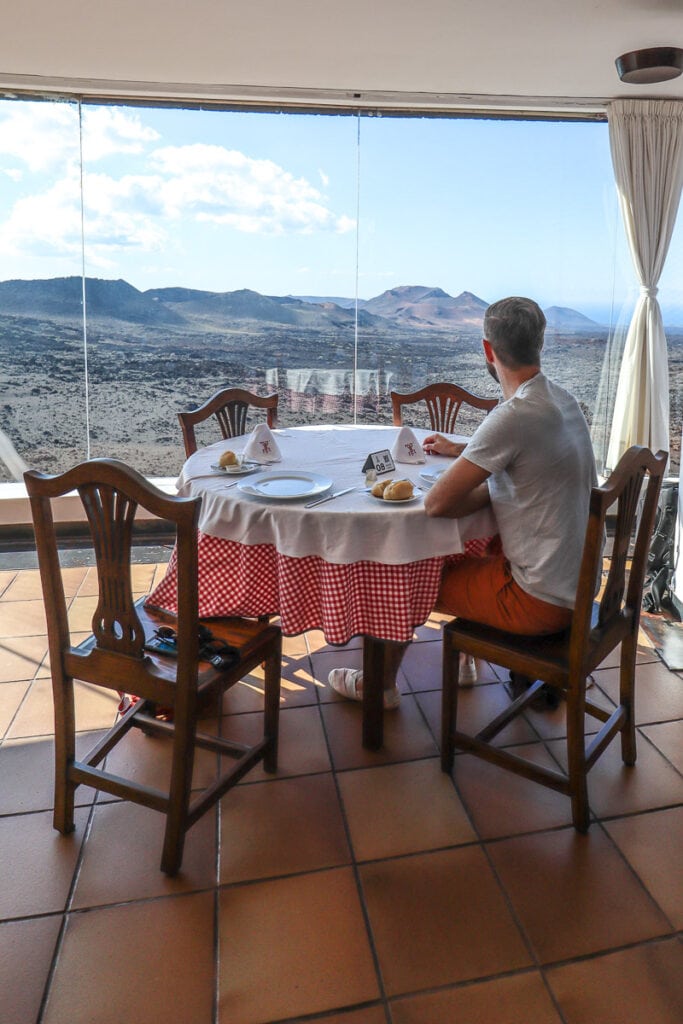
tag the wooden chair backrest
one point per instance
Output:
(230, 407)
(618, 613)
(111, 493)
(443, 401)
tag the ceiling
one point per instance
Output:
(522, 54)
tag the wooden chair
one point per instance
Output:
(564, 661)
(230, 407)
(115, 657)
(443, 404)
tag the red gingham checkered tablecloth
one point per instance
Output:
(384, 601)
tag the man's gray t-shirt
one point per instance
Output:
(537, 448)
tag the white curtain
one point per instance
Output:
(646, 139)
(9, 455)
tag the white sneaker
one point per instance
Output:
(468, 670)
(348, 682)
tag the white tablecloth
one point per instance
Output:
(355, 527)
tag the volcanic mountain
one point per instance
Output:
(63, 297)
(408, 306)
(560, 318)
(428, 307)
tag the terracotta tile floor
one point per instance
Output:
(354, 887)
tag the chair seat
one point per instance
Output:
(548, 656)
(550, 653)
(244, 635)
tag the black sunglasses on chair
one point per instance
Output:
(211, 649)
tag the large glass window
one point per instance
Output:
(149, 256)
(472, 210)
(210, 222)
(43, 403)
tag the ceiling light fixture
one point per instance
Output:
(644, 67)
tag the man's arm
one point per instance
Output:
(459, 492)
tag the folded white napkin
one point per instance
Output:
(262, 446)
(407, 448)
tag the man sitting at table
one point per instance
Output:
(532, 460)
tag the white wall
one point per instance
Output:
(465, 48)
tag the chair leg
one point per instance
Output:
(449, 703)
(180, 786)
(271, 718)
(172, 854)
(580, 808)
(576, 756)
(65, 753)
(627, 673)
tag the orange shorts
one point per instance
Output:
(483, 590)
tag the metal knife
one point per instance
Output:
(328, 497)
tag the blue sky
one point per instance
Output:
(282, 203)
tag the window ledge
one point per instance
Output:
(15, 509)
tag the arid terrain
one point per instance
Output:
(143, 369)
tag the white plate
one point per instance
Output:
(417, 493)
(432, 475)
(286, 485)
(246, 467)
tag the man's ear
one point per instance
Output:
(488, 350)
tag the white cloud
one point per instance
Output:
(110, 130)
(146, 211)
(227, 187)
(40, 135)
(324, 178)
(139, 195)
(345, 224)
(123, 214)
(49, 224)
(45, 136)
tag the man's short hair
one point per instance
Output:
(515, 327)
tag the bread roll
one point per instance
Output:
(380, 487)
(228, 459)
(398, 490)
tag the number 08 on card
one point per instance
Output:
(379, 462)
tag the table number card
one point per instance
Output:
(381, 462)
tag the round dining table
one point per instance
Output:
(351, 565)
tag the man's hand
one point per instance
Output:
(437, 444)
